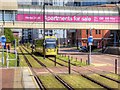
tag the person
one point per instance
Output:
(8, 47)
(68, 42)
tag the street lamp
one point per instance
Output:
(64, 37)
(77, 39)
(44, 27)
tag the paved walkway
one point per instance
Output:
(17, 78)
(28, 79)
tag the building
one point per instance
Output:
(38, 33)
(101, 37)
(29, 34)
(30, 7)
(90, 2)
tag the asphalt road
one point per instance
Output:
(96, 58)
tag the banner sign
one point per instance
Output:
(63, 18)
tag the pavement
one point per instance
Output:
(17, 78)
(101, 61)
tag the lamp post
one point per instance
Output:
(90, 41)
(118, 25)
(77, 39)
(44, 28)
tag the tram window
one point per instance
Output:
(50, 40)
(50, 46)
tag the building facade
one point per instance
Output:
(102, 38)
(38, 33)
(90, 2)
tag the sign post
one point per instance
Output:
(2, 40)
(90, 40)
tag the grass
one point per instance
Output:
(12, 63)
(78, 81)
(33, 62)
(50, 82)
(47, 62)
(104, 81)
(73, 61)
(114, 76)
(22, 60)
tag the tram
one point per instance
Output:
(50, 46)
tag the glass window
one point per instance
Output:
(0, 15)
(87, 32)
(50, 40)
(98, 31)
(50, 45)
(8, 16)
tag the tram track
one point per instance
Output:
(39, 82)
(56, 76)
(89, 78)
(85, 76)
(92, 71)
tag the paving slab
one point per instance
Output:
(17, 78)
(28, 79)
(7, 78)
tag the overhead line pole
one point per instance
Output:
(44, 27)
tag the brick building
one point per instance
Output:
(80, 36)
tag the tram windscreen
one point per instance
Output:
(50, 40)
(50, 46)
(50, 43)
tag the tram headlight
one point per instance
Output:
(46, 50)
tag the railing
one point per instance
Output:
(11, 59)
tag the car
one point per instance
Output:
(83, 49)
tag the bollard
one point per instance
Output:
(69, 68)
(18, 61)
(76, 59)
(88, 59)
(68, 57)
(81, 60)
(55, 60)
(86, 62)
(115, 66)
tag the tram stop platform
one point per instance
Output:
(17, 78)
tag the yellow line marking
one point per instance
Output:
(33, 78)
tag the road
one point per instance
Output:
(98, 59)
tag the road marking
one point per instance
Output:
(33, 78)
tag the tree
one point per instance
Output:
(8, 34)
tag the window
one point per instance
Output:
(0, 15)
(41, 31)
(9, 16)
(98, 31)
(87, 32)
